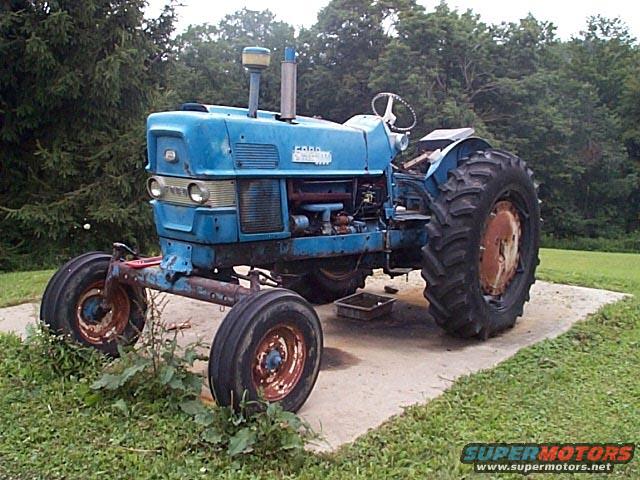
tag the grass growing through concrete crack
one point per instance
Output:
(581, 386)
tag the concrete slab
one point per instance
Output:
(16, 319)
(371, 370)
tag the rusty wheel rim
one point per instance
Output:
(340, 273)
(500, 248)
(278, 362)
(337, 276)
(97, 325)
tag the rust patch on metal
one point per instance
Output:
(200, 288)
(279, 361)
(499, 250)
(96, 324)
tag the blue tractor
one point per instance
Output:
(312, 207)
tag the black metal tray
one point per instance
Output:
(364, 306)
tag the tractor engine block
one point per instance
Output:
(336, 206)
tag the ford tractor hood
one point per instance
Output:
(223, 142)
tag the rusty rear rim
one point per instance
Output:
(500, 248)
(96, 324)
(340, 271)
(338, 276)
(279, 361)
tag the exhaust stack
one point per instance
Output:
(288, 85)
(255, 59)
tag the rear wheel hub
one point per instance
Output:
(500, 248)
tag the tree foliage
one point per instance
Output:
(209, 59)
(80, 76)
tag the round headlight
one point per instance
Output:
(198, 192)
(155, 187)
(170, 155)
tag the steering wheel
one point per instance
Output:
(388, 116)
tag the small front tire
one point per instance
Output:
(72, 305)
(269, 348)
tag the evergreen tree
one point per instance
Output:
(78, 78)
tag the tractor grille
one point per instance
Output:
(255, 155)
(260, 210)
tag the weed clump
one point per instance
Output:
(158, 374)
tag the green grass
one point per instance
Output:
(21, 287)
(629, 243)
(581, 386)
(613, 271)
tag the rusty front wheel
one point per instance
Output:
(268, 348)
(99, 322)
(279, 361)
(74, 304)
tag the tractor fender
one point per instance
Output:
(449, 158)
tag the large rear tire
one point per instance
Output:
(72, 305)
(268, 347)
(482, 253)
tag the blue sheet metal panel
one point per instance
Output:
(408, 238)
(379, 151)
(198, 255)
(176, 218)
(333, 245)
(262, 253)
(176, 257)
(205, 143)
(449, 158)
(308, 148)
(353, 244)
(196, 224)
(267, 251)
(201, 140)
(176, 142)
(241, 112)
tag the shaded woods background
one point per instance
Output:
(79, 77)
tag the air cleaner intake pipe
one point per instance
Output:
(255, 59)
(288, 85)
